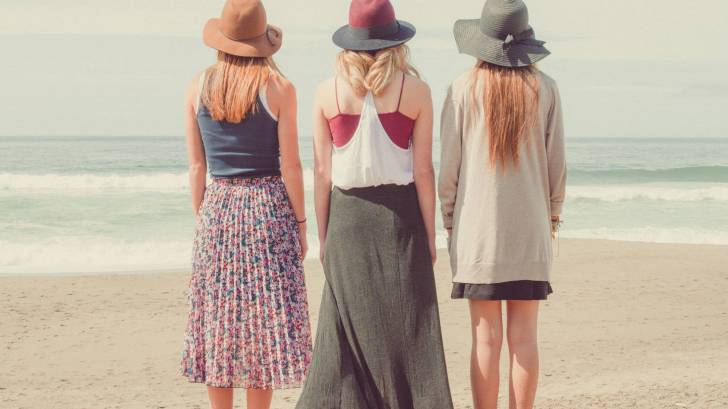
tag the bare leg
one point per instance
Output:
(523, 349)
(487, 327)
(220, 398)
(259, 398)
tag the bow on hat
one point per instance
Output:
(527, 38)
(274, 37)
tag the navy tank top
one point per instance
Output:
(247, 149)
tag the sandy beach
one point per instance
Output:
(630, 325)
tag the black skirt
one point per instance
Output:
(523, 290)
(378, 343)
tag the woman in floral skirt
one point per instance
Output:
(248, 325)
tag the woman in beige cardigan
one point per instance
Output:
(502, 183)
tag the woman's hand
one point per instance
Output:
(555, 223)
(303, 239)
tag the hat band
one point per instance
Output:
(499, 35)
(243, 39)
(377, 32)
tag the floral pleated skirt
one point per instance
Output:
(248, 323)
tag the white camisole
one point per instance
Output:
(370, 158)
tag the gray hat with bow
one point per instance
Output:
(501, 36)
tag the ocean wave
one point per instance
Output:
(106, 254)
(683, 174)
(617, 193)
(101, 254)
(650, 235)
(92, 255)
(148, 182)
(164, 182)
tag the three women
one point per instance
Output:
(378, 343)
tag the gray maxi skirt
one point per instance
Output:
(378, 344)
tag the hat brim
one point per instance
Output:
(264, 45)
(344, 38)
(470, 40)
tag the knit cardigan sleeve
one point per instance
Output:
(451, 125)
(556, 155)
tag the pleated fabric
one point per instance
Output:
(378, 343)
(248, 324)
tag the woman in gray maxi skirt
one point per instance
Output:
(379, 343)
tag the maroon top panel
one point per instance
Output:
(370, 13)
(399, 127)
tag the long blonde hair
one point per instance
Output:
(231, 86)
(367, 71)
(509, 97)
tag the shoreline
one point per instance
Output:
(630, 325)
(313, 249)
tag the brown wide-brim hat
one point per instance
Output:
(243, 30)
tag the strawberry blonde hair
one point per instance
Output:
(509, 97)
(231, 86)
(367, 71)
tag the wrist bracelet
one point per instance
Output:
(301, 221)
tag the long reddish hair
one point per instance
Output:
(232, 84)
(509, 97)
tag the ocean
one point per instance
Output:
(100, 193)
(116, 204)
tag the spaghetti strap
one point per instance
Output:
(336, 93)
(401, 91)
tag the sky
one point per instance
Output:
(644, 68)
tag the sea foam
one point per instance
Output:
(615, 193)
(155, 182)
(650, 235)
(162, 182)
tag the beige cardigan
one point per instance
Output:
(500, 220)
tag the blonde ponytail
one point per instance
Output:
(372, 72)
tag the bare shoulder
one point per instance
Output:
(325, 98)
(193, 88)
(417, 87)
(281, 86)
(325, 87)
(192, 85)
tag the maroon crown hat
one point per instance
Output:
(372, 26)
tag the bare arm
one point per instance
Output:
(322, 169)
(424, 174)
(195, 149)
(291, 168)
